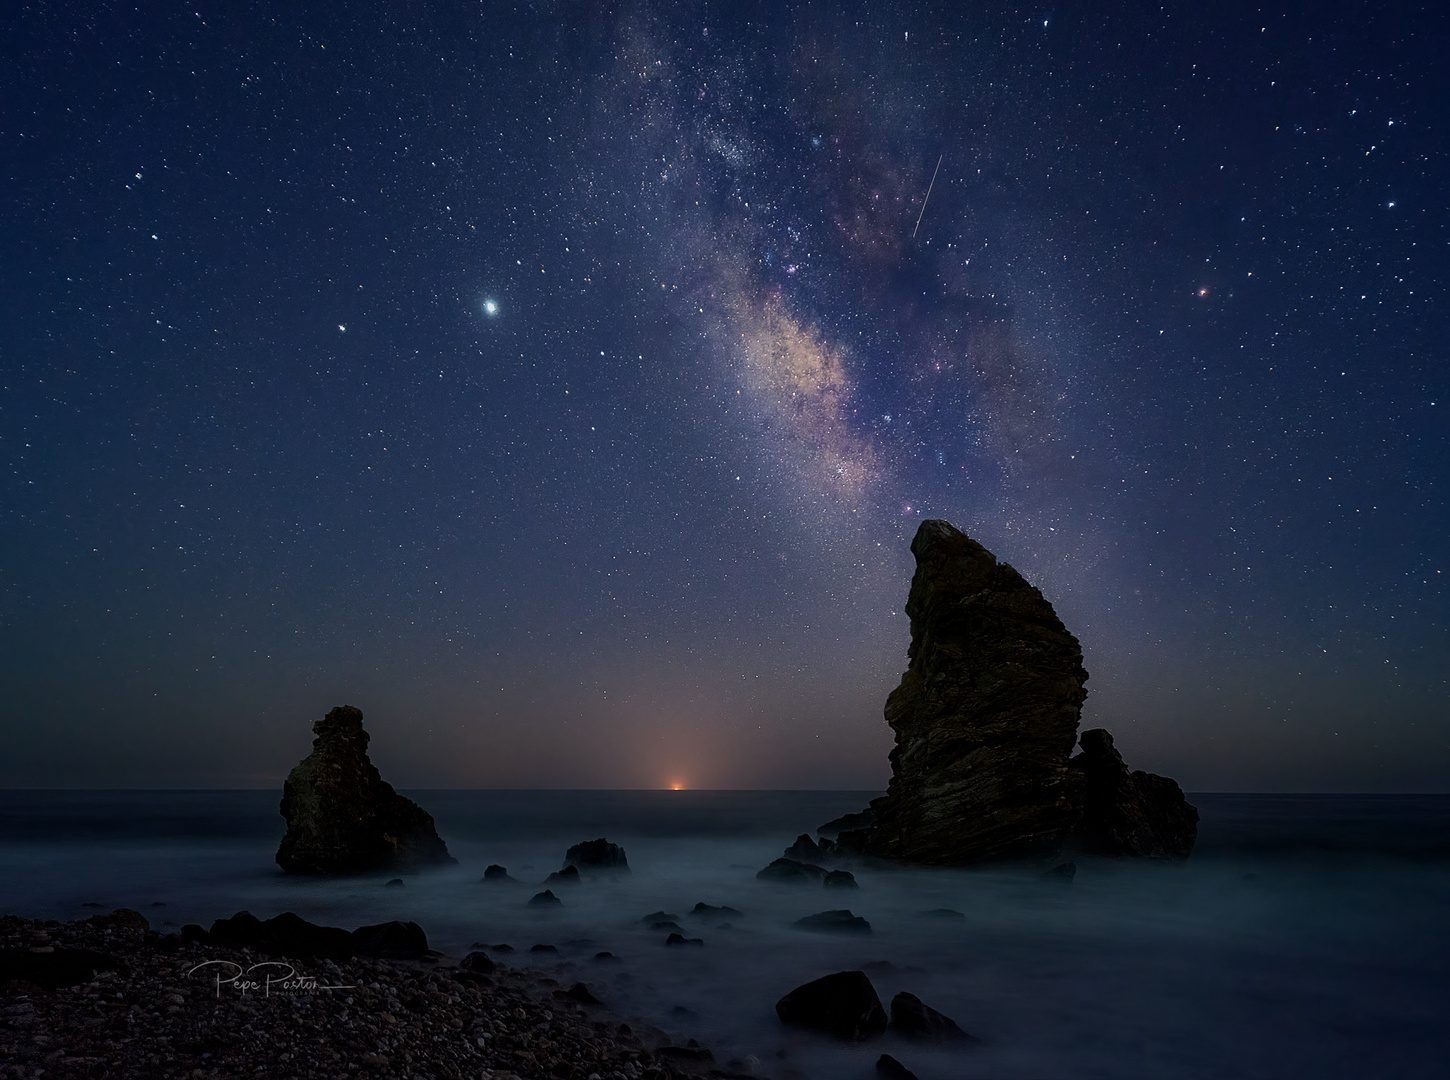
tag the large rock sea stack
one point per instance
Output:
(343, 818)
(985, 720)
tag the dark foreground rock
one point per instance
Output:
(162, 1012)
(54, 969)
(985, 720)
(343, 818)
(597, 856)
(913, 1019)
(283, 935)
(1129, 812)
(843, 1005)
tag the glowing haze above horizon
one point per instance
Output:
(563, 389)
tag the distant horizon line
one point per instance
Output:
(673, 791)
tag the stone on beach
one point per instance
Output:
(287, 934)
(395, 940)
(343, 818)
(54, 969)
(843, 1005)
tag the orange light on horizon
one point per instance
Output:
(677, 785)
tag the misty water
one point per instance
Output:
(1307, 936)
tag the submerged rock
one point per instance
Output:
(494, 874)
(985, 719)
(843, 1005)
(840, 921)
(913, 1019)
(567, 876)
(792, 872)
(892, 1069)
(343, 818)
(703, 910)
(840, 879)
(596, 856)
(545, 899)
(1129, 813)
(807, 850)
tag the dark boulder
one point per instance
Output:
(55, 969)
(840, 921)
(390, 941)
(552, 950)
(913, 1019)
(944, 913)
(286, 934)
(545, 899)
(843, 1005)
(597, 856)
(840, 879)
(680, 939)
(494, 874)
(792, 872)
(892, 1069)
(1129, 812)
(479, 962)
(343, 818)
(579, 992)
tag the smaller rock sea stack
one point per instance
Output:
(343, 818)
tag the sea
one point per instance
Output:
(1307, 936)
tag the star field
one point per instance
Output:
(563, 387)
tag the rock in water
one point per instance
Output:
(596, 856)
(1129, 813)
(985, 718)
(844, 1005)
(985, 715)
(343, 818)
(913, 1019)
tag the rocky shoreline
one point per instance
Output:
(167, 1007)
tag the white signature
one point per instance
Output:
(279, 978)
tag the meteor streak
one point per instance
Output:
(928, 194)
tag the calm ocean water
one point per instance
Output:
(1307, 936)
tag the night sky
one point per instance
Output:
(562, 384)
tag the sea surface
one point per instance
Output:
(1308, 936)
